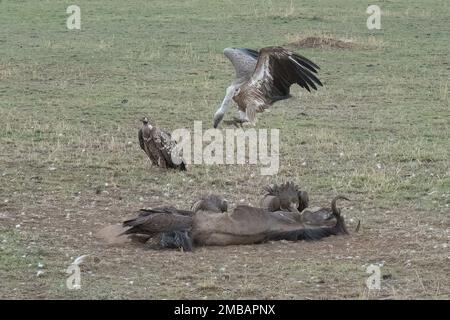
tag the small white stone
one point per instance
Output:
(18, 226)
(40, 273)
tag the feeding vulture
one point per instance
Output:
(284, 197)
(158, 146)
(173, 224)
(264, 77)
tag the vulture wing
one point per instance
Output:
(276, 70)
(141, 139)
(157, 221)
(146, 212)
(243, 60)
(165, 144)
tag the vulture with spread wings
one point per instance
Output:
(159, 146)
(264, 78)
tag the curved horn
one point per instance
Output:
(334, 209)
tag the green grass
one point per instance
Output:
(378, 131)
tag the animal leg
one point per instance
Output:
(218, 116)
(238, 122)
(250, 116)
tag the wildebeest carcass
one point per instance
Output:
(208, 225)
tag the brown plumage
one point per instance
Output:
(284, 197)
(152, 221)
(158, 146)
(211, 203)
(172, 224)
(276, 70)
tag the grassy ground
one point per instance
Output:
(70, 163)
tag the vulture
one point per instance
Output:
(264, 77)
(209, 225)
(212, 203)
(158, 146)
(173, 224)
(284, 197)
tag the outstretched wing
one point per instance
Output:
(243, 60)
(276, 70)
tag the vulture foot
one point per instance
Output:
(237, 122)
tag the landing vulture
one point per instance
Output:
(264, 77)
(158, 146)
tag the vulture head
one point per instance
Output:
(146, 122)
(212, 203)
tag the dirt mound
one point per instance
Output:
(322, 43)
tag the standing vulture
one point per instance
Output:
(158, 146)
(264, 78)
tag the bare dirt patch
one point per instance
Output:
(323, 43)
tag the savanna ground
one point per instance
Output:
(377, 132)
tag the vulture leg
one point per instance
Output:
(238, 122)
(218, 116)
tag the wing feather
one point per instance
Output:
(277, 69)
(141, 139)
